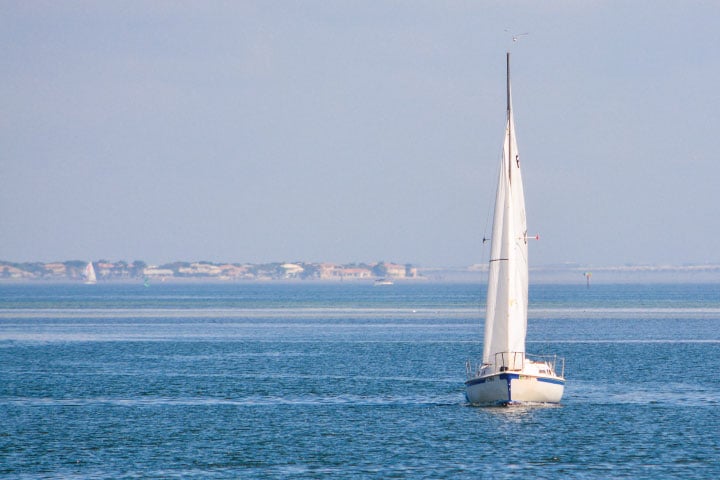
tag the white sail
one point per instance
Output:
(506, 315)
(507, 375)
(90, 274)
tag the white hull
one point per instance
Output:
(514, 387)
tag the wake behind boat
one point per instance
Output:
(506, 374)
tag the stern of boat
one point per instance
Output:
(516, 377)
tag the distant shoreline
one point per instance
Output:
(327, 273)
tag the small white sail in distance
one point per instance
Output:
(90, 277)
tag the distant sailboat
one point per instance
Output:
(508, 375)
(90, 278)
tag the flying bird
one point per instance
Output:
(516, 35)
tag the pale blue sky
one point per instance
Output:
(356, 131)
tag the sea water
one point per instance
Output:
(308, 380)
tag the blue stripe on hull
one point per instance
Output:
(551, 380)
(502, 376)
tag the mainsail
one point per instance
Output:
(507, 296)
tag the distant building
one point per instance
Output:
(356, 273)
(235, 272)
(292, 270)
(200, 270)
(104, 269)
(395, 271)
(13, 272)
(329, 271)
(56, 268)
(154, 272)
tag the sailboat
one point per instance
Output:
(90, 278)
(507, 374)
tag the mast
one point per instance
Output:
(508, 82)
(509, 118)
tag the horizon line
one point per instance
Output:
(630, 267)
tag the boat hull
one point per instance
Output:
(511, 387)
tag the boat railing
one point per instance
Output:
(555, 363)
(514, 361)
(474, 370)
(504, 362)
(510, 361)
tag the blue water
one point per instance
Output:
(349, 381)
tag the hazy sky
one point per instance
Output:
(254, 131)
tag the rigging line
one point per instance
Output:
(487, 221)
(492, 193)
(485, 273)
